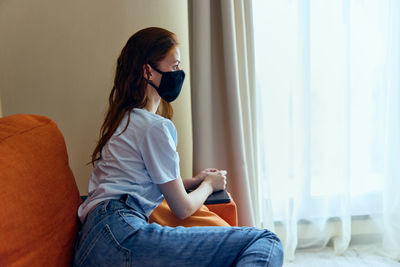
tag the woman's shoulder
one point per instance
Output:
(150, 126)
(150, 121)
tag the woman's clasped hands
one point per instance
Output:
(216, 178)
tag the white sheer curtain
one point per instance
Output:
(328, 96)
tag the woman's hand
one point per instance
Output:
(217, 180)
(193, 183)
(203, 174)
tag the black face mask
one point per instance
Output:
(170, 85)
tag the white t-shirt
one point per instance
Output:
(135, 162)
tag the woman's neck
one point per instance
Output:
(152, 104)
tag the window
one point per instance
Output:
(325, 73)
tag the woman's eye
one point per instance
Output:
(176, 67)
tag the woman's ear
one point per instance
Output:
(147, 72)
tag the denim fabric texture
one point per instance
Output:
(117, 233)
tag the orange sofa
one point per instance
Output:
(39, 196)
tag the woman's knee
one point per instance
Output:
(264, 250)
(270, 236)
(275, 258)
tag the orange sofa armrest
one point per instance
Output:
(227, 211)
(208, 215)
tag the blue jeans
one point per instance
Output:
(117, 233)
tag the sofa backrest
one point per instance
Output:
(38, 194)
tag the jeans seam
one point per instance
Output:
(270, 253)
(118, 246)
(121, 213)
(91, 246)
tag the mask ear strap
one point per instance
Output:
(159, 71)
(152, 84)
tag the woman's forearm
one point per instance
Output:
(197, 198)
(191, 183)
(182, 204)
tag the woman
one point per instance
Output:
(136, 166)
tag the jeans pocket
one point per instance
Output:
(104, 250)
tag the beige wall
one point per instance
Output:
(57, 59)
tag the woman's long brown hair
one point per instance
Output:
(147, 46)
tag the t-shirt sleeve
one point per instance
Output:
(159, 154)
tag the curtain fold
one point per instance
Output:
(328, 96)
(391, 196)
(222, 70)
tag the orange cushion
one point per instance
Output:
(207, 215)
(203, 217)
(38, 194)
(227, 211)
